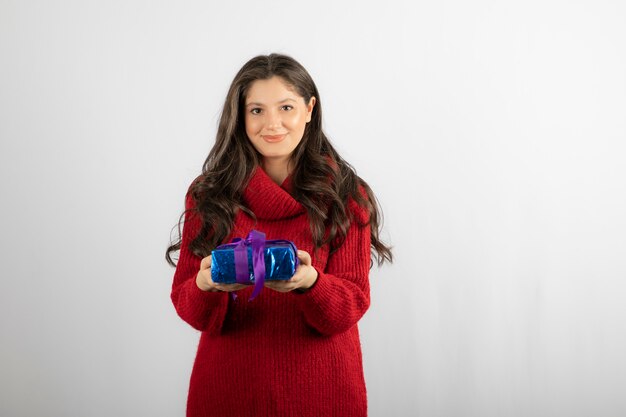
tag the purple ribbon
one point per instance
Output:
(255, 239)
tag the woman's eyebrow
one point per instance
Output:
(260, 104)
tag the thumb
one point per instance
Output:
(304, 257)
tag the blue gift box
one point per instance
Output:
(280, 258)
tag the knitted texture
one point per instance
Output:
(281, 354)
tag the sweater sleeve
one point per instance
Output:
(203, 310)
(341, 294)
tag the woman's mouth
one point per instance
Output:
(273, 138)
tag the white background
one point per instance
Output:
(492, 132)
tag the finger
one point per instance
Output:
(299, 274)
(206, 263)
(280, 288)
(206, 277)
(271, 285)
(232, 287)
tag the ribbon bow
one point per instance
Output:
(255, 239)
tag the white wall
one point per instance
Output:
(492, 132)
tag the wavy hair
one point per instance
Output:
(322, 181)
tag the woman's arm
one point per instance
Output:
(203, 310)
(341, 294)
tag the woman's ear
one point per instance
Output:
(309, 109)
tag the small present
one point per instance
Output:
(253, 260)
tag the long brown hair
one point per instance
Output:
(321, 180)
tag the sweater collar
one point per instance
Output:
(268, 200)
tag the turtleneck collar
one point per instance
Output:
(268, 200)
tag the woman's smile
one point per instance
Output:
(273, 138)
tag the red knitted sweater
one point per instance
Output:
(281, 354)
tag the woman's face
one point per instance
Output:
(275, 118)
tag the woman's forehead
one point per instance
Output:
(270, 91)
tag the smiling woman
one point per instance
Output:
(273, 169)
(275, 121)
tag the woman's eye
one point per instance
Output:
(255, 110)
(289, 107)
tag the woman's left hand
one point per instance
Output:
(304, 277)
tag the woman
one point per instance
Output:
(294, 350)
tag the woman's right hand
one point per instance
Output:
(205, 283)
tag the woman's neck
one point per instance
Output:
(277, 170)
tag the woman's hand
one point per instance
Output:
(304, 277)
(205, 283)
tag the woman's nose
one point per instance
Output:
(273, 120)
